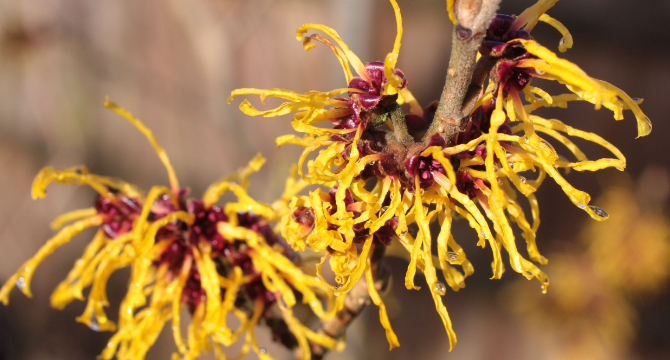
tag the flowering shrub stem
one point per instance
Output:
(355, 302)
(461, 87)
(400, 127)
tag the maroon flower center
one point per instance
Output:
(512, 77)
(372, 90)
(119, 214)
(204, 225)
(256, 290)
(258, 224)
(466, 184)
(226, 254)
(424, 167)
(498, 35)
(193, 293)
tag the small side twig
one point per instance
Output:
(400, 127)
(482, 68)
(473, 17)
(354, 304)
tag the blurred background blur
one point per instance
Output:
(173, 63)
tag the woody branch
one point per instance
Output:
(465, 76)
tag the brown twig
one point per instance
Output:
(482, 68)
(354, 303)
(460, 87)
(400, 127)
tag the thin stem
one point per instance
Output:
(400, 127)
(356, 301)
(482, 68)
(460, 87)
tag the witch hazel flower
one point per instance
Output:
(215, 260)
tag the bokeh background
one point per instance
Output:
(173, 63)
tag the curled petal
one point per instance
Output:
(162, 155)
(566, 41)
(529, 17)
(355, 62)
(22, 277)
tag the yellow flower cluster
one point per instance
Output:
(172, 267)
(476, 175)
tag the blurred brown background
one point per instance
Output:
(173, 64)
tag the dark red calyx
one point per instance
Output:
(498, 27)
(164, 205)
(412, 165)
(204, 225)
(258, 224)
(304, 216)
(348, 122)
(480, 123)
(119, 212)
(386, 233)
(496, 42)
(348, 198)
(417, 125)
(174, 255)
(193, 293)
(512, 78)
(466, 184)
(256, 291)
(243, 261)
(424, 166)
(436, 140)
(373, 89)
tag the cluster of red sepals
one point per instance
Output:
(120, 212)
